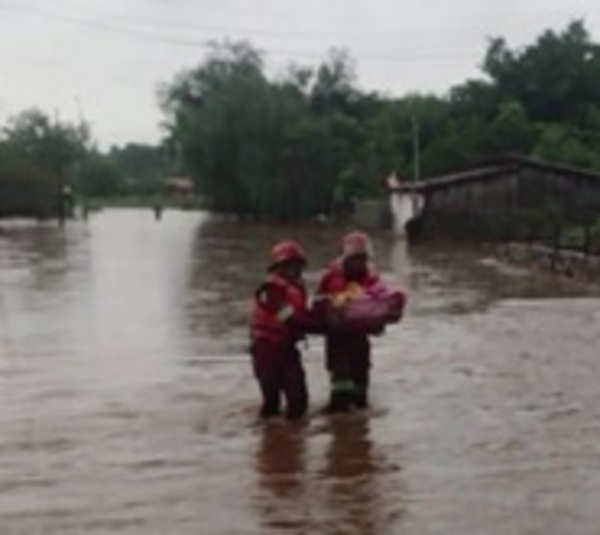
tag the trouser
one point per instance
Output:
(279, 371)
(348, 362)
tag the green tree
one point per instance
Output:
(269, 149)
(285, 148)
(98, 176)
(557, 143)
(333, 88)
(215, 115)
(553, 77)
(49, 144)
(511, 130)
(25, 190)
(38, 158)
(144, 168)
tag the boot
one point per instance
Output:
(338, 402)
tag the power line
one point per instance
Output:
(206, 44)
(179, 24)
(183, 25)
(99, 25)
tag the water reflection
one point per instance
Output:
(330, 478)
(43, 278)
(400, 264)
(354, 476)
(226, 261)
(39, 253)
(284, 483)
(103, 319)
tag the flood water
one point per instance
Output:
(127, 403)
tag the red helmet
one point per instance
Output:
(286, 251)
(356, 243)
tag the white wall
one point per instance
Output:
(404, 207)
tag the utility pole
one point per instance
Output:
(77, 177)
(416, 150)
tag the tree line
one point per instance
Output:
(309, 140)
(294, 145)
(46, 162)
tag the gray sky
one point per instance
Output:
(106, 57)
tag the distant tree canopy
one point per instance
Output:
(300, 144)
(291, 146)
(25, 190)
(142, 168)
(99, 177)
(133, 170)
(278, 148)
(38, 157)
(49, 144)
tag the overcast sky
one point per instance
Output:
(105, 58)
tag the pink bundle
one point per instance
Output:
(379, 304)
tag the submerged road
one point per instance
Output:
(127, 403)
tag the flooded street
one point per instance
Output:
(128, 406)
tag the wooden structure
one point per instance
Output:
(507, 198)
(179, 188)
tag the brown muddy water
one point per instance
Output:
(127, 404)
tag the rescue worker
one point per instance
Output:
(348, 351)
(279, 321)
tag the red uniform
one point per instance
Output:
(348, 352)
(278, 323)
